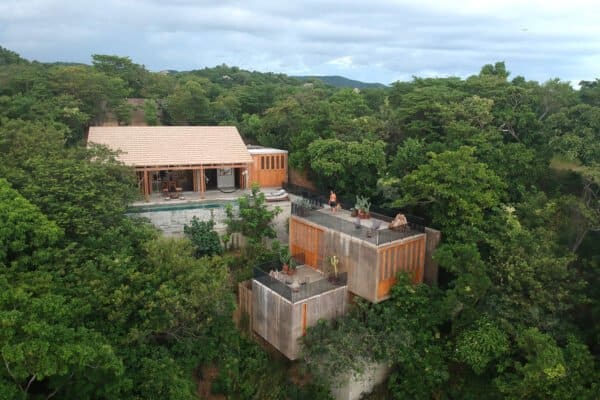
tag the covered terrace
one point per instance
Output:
(171, 160)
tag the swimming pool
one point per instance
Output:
(179, 206)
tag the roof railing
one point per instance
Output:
(369, 230)
(270, 275)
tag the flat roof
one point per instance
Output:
(265, 150)
(173, 145)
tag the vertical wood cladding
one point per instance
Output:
(371, 270)
(269, 170)
(306, 239)
(408, 256)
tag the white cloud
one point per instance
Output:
(344, 62)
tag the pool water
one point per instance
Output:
(180, 206)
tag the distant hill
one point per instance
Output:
(341, 82)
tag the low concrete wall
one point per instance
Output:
(351, 387)
(171, 222)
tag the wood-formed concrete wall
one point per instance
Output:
(371, 269)
(245, 300)
(282, 323)
(269, 170)
(431, 266)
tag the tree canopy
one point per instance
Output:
(96, 304)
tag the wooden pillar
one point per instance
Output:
(202, 183)
(146, 185)
(140, 180)
(195, 186)
(244, 177)
(285, 168)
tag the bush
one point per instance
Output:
(202, 235)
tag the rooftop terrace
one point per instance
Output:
(310, 281)
(373, 230)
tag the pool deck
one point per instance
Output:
(194, 197)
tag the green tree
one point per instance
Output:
(253, 219)
(456, 190)
(498, 70)
(350, 168)
(124, 113)
(10, 57)
(97, 92)
(26, 235)
(151, 112)
(548, 371)
(42, 340)
(203, 237)
(134, 75)
(401, 331)
(189, 103)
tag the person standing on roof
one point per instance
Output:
(332, 201)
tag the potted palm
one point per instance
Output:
(288, 264)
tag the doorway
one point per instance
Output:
(210, 178)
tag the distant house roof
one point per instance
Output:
(173, 145)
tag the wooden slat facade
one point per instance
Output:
(407, 255)
(305, 239)
(269, 170)
(371, 269)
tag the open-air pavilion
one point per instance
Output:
(171, 160)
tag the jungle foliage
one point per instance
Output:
(96, 305)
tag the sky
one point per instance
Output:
(369, 40)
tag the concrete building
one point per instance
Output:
(368, 256)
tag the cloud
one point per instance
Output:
(344, 62)
(376, 40)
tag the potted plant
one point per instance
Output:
(302, 207)
(334, 262)
(363, 205)
(353, 212)
(288, 264)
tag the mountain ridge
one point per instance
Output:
(340, 81)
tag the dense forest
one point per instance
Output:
(97, 305)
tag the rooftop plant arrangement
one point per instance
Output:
(302, 206)
(363, 205)
(334, 262)
(288, 263)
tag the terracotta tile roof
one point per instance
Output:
(173, 145)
